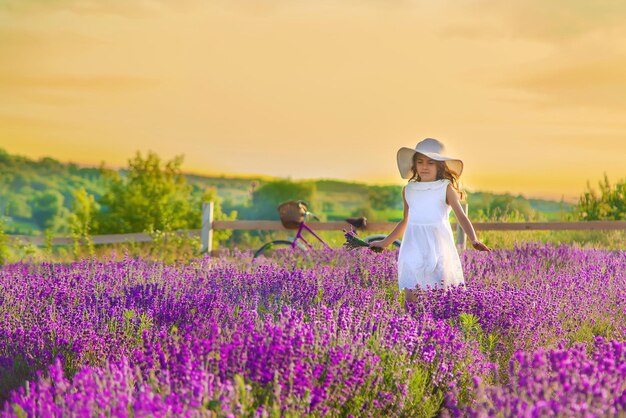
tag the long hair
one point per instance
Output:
(443, 172)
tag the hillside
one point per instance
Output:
(30, 189)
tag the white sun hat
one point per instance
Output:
(431, 148)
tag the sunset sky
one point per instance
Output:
(530, 94)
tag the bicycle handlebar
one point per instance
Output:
(311, 214)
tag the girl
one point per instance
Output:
(428, 256)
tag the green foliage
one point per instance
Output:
(425, 400)
(82, 219)
(47, 207)
(30, 188)
(26, 183)
(170, 246)
(22, 178)
(134, 325)
(470, 326)
(48, 237)
(152, 197)
(612, 240)
(489, 206)
(609, 205)
(17, 374)
(341, 187)
(148, 197)
(365, 210)
(266, 198)
(587, 331)
(210, 195)
(51, 197)
(385, 197)
(4, 250)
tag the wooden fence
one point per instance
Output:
(209, 225)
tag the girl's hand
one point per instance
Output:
(480, 246)
(379, 244)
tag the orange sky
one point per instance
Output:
(530, 94)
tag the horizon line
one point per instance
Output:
(266, 177)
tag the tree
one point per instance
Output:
(82, 218)
(609, 205)
(266, 198)
(46, 206)
(385, 197)
(148, 197)
(502, 208)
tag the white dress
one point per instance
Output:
(428, 255)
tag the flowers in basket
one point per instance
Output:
(353, 241)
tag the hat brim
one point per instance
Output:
(405, 161)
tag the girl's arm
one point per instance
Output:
(453, 200)
(397, 231)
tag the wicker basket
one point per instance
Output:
(292, 213)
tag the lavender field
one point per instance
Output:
(539, 330)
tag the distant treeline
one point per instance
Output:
(155, 195)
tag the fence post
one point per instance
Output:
(207, 227)
(461, 239)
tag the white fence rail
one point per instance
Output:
(209, 225)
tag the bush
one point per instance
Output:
(609, 205)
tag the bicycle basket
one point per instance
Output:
(292, 213)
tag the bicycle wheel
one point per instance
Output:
(269, 248)
(378, 237)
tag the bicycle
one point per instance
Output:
(293, 215)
